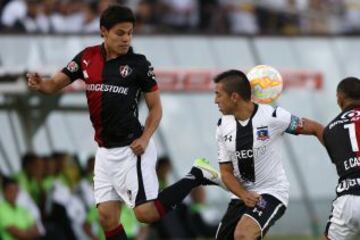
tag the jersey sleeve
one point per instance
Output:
(147, 80)
(5, 217)
(73, 69)
(286, 122)
(223, 156)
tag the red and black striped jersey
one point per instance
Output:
(113, 89)
(342, 139)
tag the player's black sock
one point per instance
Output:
(174, 194)
(116, 234)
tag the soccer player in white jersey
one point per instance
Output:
(248, 137)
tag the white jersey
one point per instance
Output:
(253, 148)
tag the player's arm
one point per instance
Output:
(29, 233)
(148, 84)
(60, 80)
(227, 176)
(48, 86)
(289, 123)
(227, 171)
(310, 127)
(153, 103)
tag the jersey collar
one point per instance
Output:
(351, 106)
(103, 52)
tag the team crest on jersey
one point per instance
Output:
(262, 203)
(125, 70)
(151, 73)
(262, 133)
(354, 113)
(72, 66)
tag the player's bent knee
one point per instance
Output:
(144, 217)
(146, 213)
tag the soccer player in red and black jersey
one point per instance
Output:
(115, 77)
(342, 141)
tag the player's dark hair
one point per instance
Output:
(116, 14)
(235, 81)
(350, 87)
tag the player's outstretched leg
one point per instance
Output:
(202, 173)
(210, 176)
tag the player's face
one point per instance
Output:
(118, 38)
(223, 99)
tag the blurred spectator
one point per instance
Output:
(242, 18)
(15, 221)
(64, 209)
(14, 14)
(316, 18)
(146, 20)
(196, 219)
(31, 175)
(50, 173)
(91, 18)
(103, 4)
(25, 201)
(3, 3)
(180, 15)
(289, 22)
(351, 16)
(1, 193)
(212, 17)
(85, 192)
(21, 15)
(69, 17)
(279, 16)
(163, 170)
(284, 17)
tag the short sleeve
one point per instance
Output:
(223, 156)
(5, 216)
(147, 79)
(28, 219)
(73, 69)
(286, 122)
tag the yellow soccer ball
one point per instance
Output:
(266, 84)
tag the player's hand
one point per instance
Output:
(34, 81)
(250, 198)
(139, 145)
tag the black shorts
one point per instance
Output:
(268, 210)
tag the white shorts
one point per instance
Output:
(122, 176)
(344, 221)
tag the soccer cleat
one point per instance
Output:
(210, 176)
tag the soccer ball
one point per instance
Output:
(266, 84)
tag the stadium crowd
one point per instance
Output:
(278, 17)
(52, 198)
